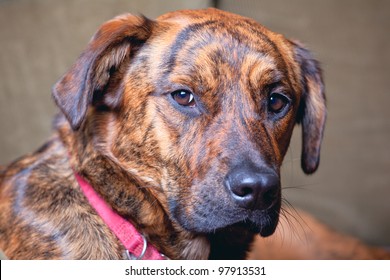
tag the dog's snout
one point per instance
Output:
(253, 188)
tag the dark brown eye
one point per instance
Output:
(184, 97)
(277, 102)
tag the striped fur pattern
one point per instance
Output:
(159, 164)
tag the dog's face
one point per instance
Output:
(201, 104)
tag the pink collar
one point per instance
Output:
(134, 242)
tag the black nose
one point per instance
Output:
(253, 188)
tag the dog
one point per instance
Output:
(180, 126)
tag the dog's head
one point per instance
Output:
(203, 105)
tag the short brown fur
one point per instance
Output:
(157, 164)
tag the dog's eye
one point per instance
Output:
(277, 102)
(184, 98)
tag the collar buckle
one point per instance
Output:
(130, 256)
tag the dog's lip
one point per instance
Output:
(263, 222)
(265, 227)
(269, 228)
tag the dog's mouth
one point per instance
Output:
(266, 226)
(251, 202)
(260, 222)
(263, 222)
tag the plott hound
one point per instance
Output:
(168, 144)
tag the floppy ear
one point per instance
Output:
(105, 54)
(312, 111)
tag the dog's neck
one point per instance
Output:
(129, 196)
(135, 200)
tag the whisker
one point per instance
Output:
(292, 213)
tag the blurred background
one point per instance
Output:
(40, 39)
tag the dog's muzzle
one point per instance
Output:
(256, 190)
(250, 198)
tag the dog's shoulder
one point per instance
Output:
(43, 212)
(46, 168)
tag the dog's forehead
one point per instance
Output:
(221, 22)
(186, 17)
(202, 40)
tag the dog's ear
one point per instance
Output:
(107, 51)
(312, 111)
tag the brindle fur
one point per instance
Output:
(157, 165)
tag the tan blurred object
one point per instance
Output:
(2, 256)
(303, 237)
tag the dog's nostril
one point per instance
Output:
(246, 191)
(243, 190)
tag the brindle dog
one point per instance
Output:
(181, 125)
